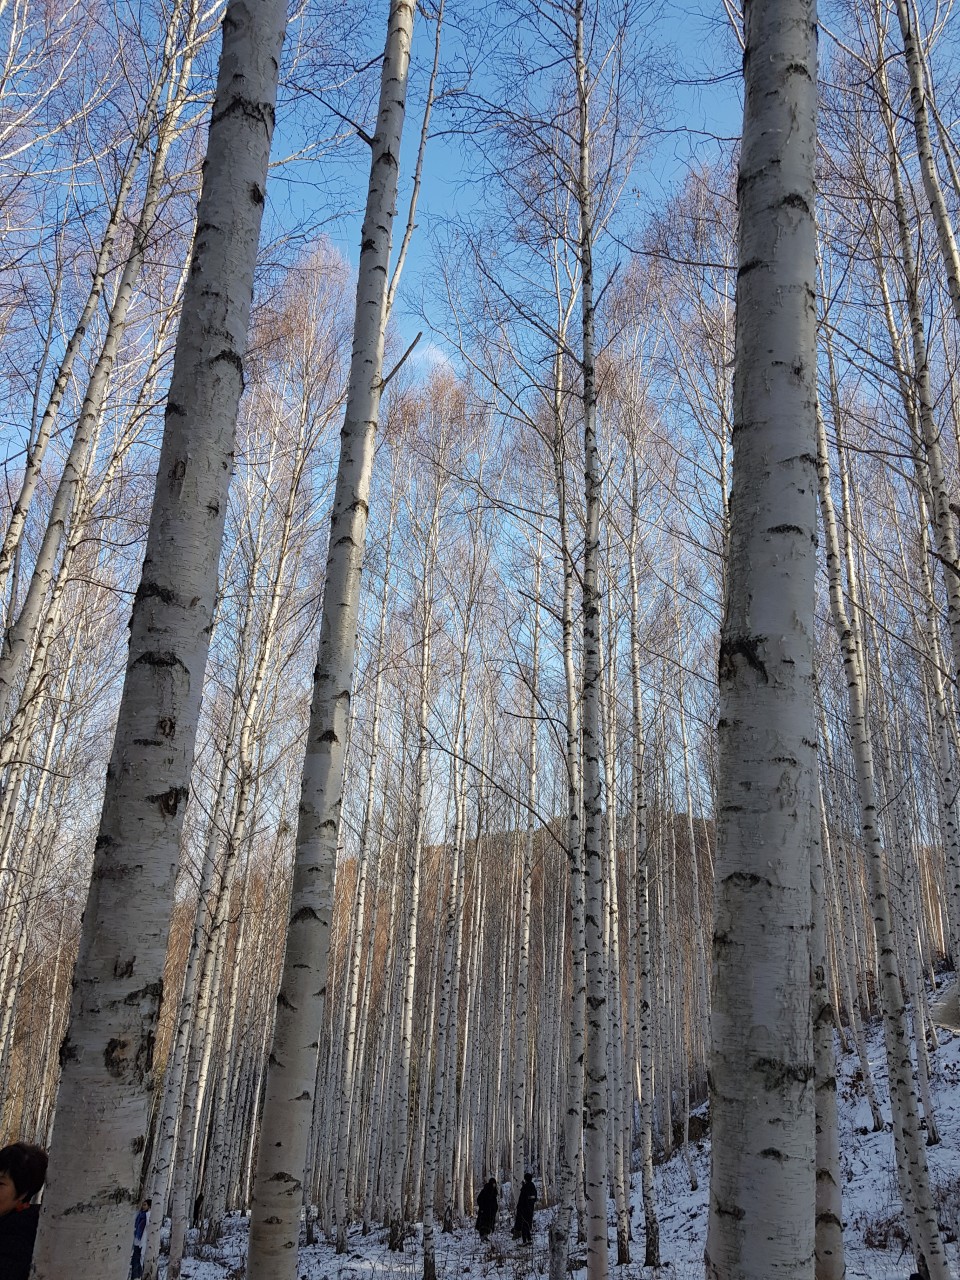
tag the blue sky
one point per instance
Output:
(703, 103)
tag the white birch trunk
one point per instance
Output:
(570, 1136)
(365, 1085)
(348, 1083)
(426, 1056)
(928, 169)
(900, 839)
(382, 1069)
(596, 1100)
(641, 856)
(829, 1203)
(453, 1172)
(198, 1060)
(651, 1224)
(225, 1109)
(679, 987)
(913, 1174)
(619, 1127)
(945, 722)
(842, 909)
(762, 1185)
(176, 1070)
(465, 1158)
(659, 885)
(99, 1134)
(411, 908)
(918, 384)
(274, 1226)
(521, 1034)
(445, 1023)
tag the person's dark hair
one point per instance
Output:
(26, 1166)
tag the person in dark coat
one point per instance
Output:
(22, 1171)
(523, 1223)
(487, 1208)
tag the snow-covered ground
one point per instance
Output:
(873, 1223)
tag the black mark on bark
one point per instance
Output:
(746, 647)
(115, 1057)
(169, 801)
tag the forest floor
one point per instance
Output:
(874, 1232)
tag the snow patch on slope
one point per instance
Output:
(871, 1207)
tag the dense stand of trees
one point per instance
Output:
(502, 576)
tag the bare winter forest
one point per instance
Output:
(480, 586)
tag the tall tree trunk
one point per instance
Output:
(928, 168)
(445, 1022)
(596, 1101)
(348, 1084)
(762, 1189)
(411, 908)
(829, 1202)
(912, 1170)
(521, 1136)
(570, 1136)
(620, 1127)
(641, 855)
(291, 1076)
(100, 1131)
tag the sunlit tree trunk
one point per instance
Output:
(638, 836)
(100, 1130)
(399, 1138)
(928, 169)
(762, 1186)
(344, 1148)
(596, 1100)
(619, 1127)
(913, 1173)
(570, 1136)
(521, 1033)
(288, 1106)
(840, 904)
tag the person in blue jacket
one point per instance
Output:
(139, 1234)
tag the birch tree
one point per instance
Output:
(291, 1077)
(761, 1218)
(916, 71)
(596, 1083)
(911, 1163)
(829, 1219)
(107, 1054)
